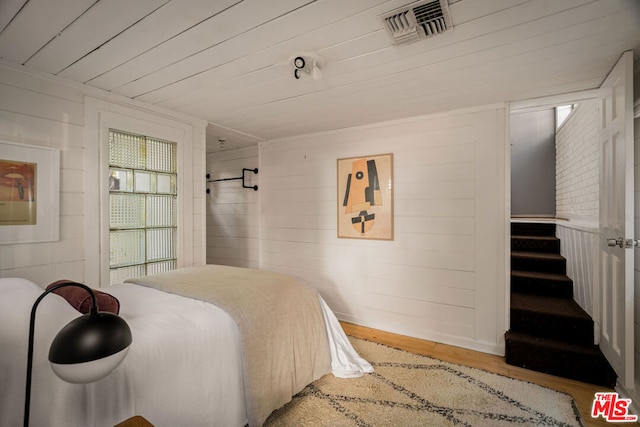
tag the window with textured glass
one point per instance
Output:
(142, 206)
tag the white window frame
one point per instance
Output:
(100, 116)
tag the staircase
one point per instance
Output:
(549, 331)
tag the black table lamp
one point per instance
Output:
(87, 349)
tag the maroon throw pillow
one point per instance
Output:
(81, 300)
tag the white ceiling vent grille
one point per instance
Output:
(417, 21)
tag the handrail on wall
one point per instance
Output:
(243, 178)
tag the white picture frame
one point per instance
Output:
(29, 193)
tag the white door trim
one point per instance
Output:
(101, 115)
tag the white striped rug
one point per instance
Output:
(413, 390)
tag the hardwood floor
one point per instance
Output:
(582, 393)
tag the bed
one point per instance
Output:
(192, 362)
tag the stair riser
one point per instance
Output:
(535, 245)
(528, 229)
(527, 285)
(558, 266)
(566, 364)
(555, 327)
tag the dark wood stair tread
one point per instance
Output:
(558, 277)
(582, 362)
(533, 228)
(544, 244)
(537, 255)
(555, 306)
(543, 238)
(554, 343)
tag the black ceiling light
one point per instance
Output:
(309, 63)
(298, 63)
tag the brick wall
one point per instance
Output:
(577, 165)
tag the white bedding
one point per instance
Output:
(183, 368)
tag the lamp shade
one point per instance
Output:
(89, 347)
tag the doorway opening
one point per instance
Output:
(555, 167)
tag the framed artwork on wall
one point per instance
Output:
(29, 193)
(365, 197)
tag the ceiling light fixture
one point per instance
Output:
(307, 63)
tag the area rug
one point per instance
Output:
(412, 390)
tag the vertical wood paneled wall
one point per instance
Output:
(442, 277)
(41, 111)
(580, 247)
(232, 211)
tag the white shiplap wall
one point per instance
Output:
(232, 211)
(33, 111)
(442, 278)
(46, 111)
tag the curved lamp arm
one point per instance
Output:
(112, 338)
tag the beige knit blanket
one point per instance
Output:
(282, 332)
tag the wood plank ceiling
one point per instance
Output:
(228, 61)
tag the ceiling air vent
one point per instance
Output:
(417, 21)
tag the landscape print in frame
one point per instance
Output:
(17, 192)
(365, 197)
